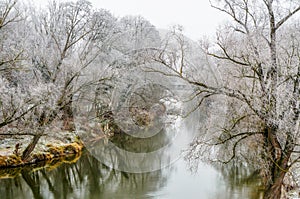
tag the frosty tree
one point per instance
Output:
(46, 58)
(258, 57)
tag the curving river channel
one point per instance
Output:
(88, 178)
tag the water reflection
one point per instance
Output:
(138, 155)
(239, 179)
(88, 178)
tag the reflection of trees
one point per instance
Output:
(141, 145)
(239, 178)
(33, 179)
(135, 154)
(87, 178)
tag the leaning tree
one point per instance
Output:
(258, 57)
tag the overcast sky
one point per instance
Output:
(196, 16)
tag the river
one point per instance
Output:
(152, 168)
(88, 178)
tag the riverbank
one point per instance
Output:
(53, 146)
(50, 164)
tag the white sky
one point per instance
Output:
(196, 16)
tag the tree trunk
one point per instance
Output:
(278, 159)
(68, 116)
(273, 191)
(30, 147)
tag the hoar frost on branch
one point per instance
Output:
(257, 55)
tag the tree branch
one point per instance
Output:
(283, 20)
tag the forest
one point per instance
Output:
(71, 71)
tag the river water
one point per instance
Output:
(88, 178)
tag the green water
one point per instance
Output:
(89, 178)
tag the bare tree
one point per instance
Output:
(64, 48)
(72, 37)
(258, 57)
(9, 17)
(47, 57)
(13, 30)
